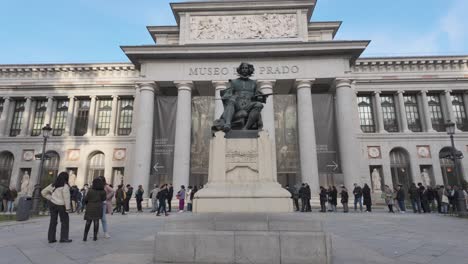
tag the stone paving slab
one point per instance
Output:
(375, 238)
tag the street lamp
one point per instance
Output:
(455, 155)
(46, 130)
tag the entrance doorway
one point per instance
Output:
(449, 171)
(401, 168)
(51, 167)
(96, 167)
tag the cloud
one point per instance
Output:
(453, 23)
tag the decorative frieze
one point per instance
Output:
(244, 27)
(422, 64)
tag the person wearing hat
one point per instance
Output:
(401, 198)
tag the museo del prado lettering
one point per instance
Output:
(224, 71)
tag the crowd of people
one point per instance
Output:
(422, 199)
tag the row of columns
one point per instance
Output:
(29, 111)
(425, 107)
(307, 140)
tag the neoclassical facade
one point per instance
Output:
(335, 118)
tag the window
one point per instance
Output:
(125, 117)
(459, 112)
(39, 114)
(366, 115)
(1, 106)
(389, 113)
(17, 118)
(82, 115)
(412, 113)
(60, 118)
(435, 110)
(103, 117)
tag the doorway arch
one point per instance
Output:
(400, 166)
(50, 169)
(6, 167)
(96, 166)
(449, 173)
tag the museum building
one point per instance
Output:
(335, 118)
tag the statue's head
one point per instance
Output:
(245, 70)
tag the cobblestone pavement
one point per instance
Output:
(376, 237)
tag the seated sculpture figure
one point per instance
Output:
(242, 102)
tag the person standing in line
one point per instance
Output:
(154, 200)
(11, 197)
(170, 193)
(388, 193)
(162, 197)
(431, 197)
(129, 194)
(445, 201)
(188, 194)
(58, 197)
(181, 197)
(357, 192)
(119, 199)
(334, 196)
(423, 196)
(344, 199)
(192, 194)
(366, 194)
(94, 201)
(415, 198)
(294, 196)
(303, 197)
(401, 198)
(106, 205)
(323, 200)
(139, 198)
(308, 194)
(438, 197)
(396, 206)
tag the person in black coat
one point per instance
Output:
(129, 194)
(162, 196)
(308, 196)
(94, 200)
(294, 196)
(334, 198)
(303, 198)
(170, 193)
(415, 198)
(366, 194)
(323, 199)
(401, 198)
(344, 198)
(424, 198)
(357, 192)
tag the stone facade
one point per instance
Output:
(198, 56)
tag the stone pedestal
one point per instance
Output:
(241, 177)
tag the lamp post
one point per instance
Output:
(46, 130)
(455, 155)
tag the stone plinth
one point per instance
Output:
(241, 177)
(243, 238)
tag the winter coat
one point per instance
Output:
(129, 193)
(109, 196)
(334, 196)
(58, 196)
(162, 195)
(302, 192)
(414, 193)
(388, 197)
(181, 194)
(400, 195)
(139, 195)
(170, 193)
(366, 193)
(120, 195)
(94, 201)
(344, 197)
(307, 193)
(323, 196)
(187, 196)
(357, 192)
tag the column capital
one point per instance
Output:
(447, 91)
(184, 85)
(28, 98)
(148, 86)
(115, 96)
(424, 91)
(219, 85)
(400, 92)
(50, 97)
(343, 83)
(93, 97)
(6, 98)
(304, 83)
(377, 93)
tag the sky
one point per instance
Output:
(87, 31)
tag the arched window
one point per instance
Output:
(51, 167)
(6, 166)
(400, 167)
(96, 166)
(449, 171)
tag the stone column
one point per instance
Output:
(26, 115)
(427, 113)
(378, 108)
(48, 113)
(70, 116)
(136, 102)
(181, 171)
(465, 101)
(268, 118)
(349, 149)
(451, 113)
(402, 110)
(4, 117)
(307, 141)
(113, 122)
(144, 136)
(219, 108)
(92, 114)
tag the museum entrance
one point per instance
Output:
(449, 171)
(6, 167)
(401, 168)
(51, 167)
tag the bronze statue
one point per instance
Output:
(242, 102)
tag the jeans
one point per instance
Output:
(162, 205)
(139, 208)
(296, 203)
(444, 208)
(56, 211)
(356, 201)
(345, 207)
(104, 219)
(401, 204)
(169, 204)
(10, 206)
(416, 205)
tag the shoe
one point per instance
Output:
(52, 241)
(65, 240)
(166, 214)
(106, 235)
(95, 239)
(158, 215)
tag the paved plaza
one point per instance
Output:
(376, 237)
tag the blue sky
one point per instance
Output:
(76, 31)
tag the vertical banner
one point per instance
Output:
(203, 108)
(164, 139)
